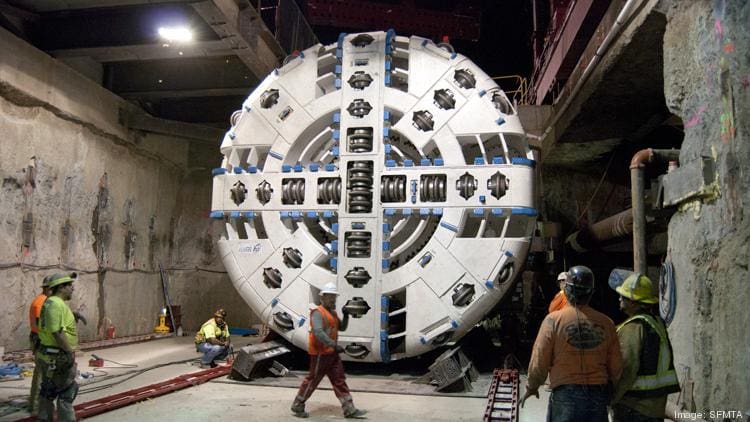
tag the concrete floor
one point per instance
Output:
(387, 398)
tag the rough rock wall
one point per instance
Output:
(568, 195)
(80, 192)
(707, 84)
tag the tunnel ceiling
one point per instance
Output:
(624, 110)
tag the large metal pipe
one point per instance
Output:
(637, 188)
(613, 227)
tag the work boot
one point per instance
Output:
(298, 409)
(354, 413)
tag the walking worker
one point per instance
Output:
(559, 301)
(577, 346)
(56, 355)
(648, 375)
(213, 339)
(324, 352)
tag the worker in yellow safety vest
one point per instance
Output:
(648, 368)
(55, 356)
(213, 340)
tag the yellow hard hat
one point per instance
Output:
(638, 288)
(57, 279)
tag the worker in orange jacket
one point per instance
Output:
(578, 348)
(559, 301)
(324, 352)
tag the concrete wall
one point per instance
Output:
(81, 192)
(707, 84)
(569, 194)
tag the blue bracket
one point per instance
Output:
(523, 161)
(217, 214)
(252, 169)
(286, 168)
(425, 162)
(330, 167)
(217, 171)
(531, 212)
(276, 155)
(449, 226)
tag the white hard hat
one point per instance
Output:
(563, 276)
(329, 289)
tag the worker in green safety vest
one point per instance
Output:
(56, 354)
(648, 375)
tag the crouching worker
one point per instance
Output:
(213, 340)
(324, 352)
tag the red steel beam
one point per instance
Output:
(116, 401)
(561, 45)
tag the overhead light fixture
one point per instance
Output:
(176, 33)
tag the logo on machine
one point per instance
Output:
(250, 248)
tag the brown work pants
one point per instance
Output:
(320, 366)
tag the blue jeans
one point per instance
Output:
(578, 403)
(212, 352)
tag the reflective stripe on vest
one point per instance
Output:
(330, 326)
(664, 376)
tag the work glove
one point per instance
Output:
(79, 317)
(339, 349)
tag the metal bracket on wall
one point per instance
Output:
(691, 181)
